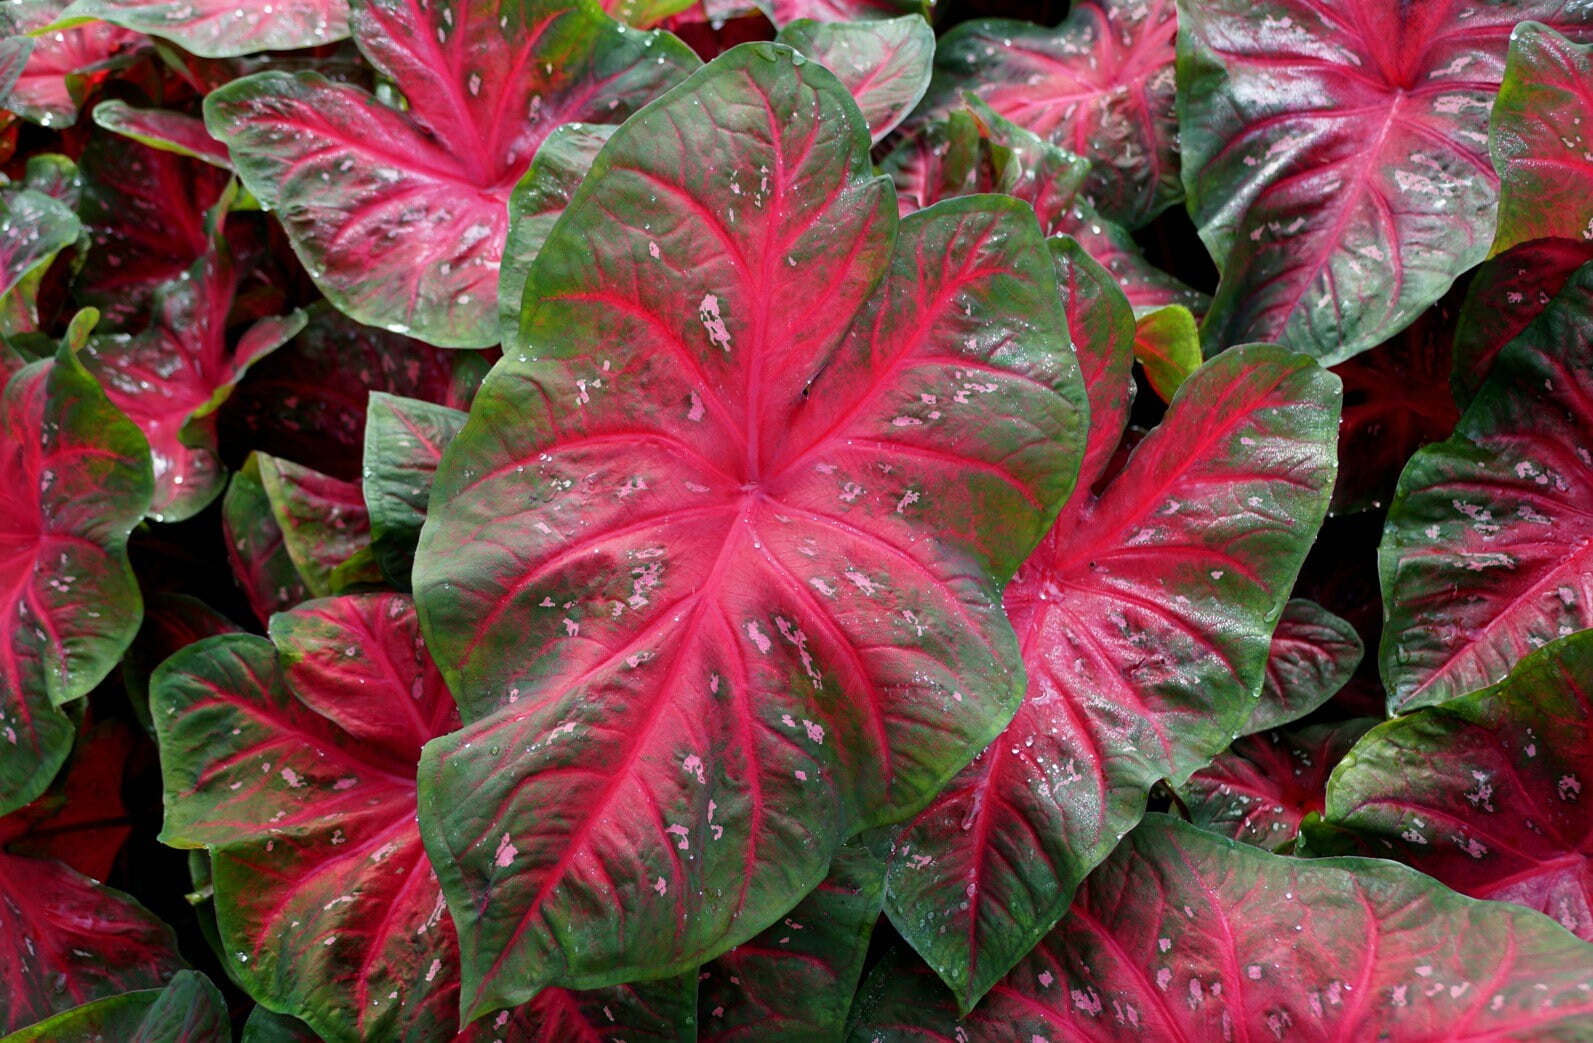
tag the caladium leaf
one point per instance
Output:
(54, 71)
(404, 440)
(1313, 655)
(172, 622)
(399, 216)
(164, 130)
(724, 589)
(188, 1010)
(307, 401)
(1100, 85)
(1488, 552)
(643, 14)
(1542, 154)
(784, 12)
(1167, 344)
(33, 229)
(68, 940)
(796, 980)
(74, 480)
(1336, 158)
(323, 521)
(1145, 619)
(1187, 935)
(1264, 786)
(1506, 294)
(265, 1026)
(884, 63)
(225, 28)
(171, 377)
(261, 564)
(295, 766)
(80, 820)
(1485, 792)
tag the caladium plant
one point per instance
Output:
(813, 520)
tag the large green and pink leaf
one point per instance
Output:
(74, 480)
(67, 940)
(1488, 551)
(885, 63)
(784, 12)
(400, 216)
(1485, 792)
(225, 28)
(1543, 155)
(55, 71)
(1100, 85)
(1336, 158)
(1184, 935)
(295, 766)
(1145, 620)
(188, 1010)
(714, 567)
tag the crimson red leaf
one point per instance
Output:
(55, 70)
(1261, 789)
(188, 1010)
(68, 940)
(1336, 158)
(81, 820)
(1505, 294)
(1488, 552)
(261, 565)
(294, 765)
(1099, 85)
(884, 63)
(163, 130)
(1313, 655)
(1144, 619)
(225, 28)
(1543, 156)
(1183, 935)
(74, 480)
(399, 216)
(1485, 792)
(796, 980)
(715, 577)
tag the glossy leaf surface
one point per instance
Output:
(1313, 655)
(1167, 344)
(1187, 935)
(33, 229)
(323, 521)
(68, 940)
(404, 440)
(74, 480)
(53, 71)
(163, 130)
(884, 63)
(188, 1010)
(400, 216)
(1485, 792)
(1488, 552)
(225, 28)
(725, 588)
(1336, 158)
(261, 565)
(1542, 153)
(1100, 85)
(1144, 619)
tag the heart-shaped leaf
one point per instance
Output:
(1100, 85)
(1145, 619)
(1313, 655)
(188, 1010)
(399, 216)
(1264, 786)
(714, 567)
(404, 440)
(1485, 792)
(51, 73)
(884, 63)
(67, 940)
(1187, 935)
(294, 765)
(225, 28)
(1336, 158)
(1488, 552)
(74, 480)
(1542, 153)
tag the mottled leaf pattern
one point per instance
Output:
(884, 63)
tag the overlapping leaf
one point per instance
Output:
(1336, 158)
(68, 940)
(74, 480)
(404, 440)
(1144, 619)
(1186, 935)
(713, 569)
(1312, 656)
(225, 28)
(1100, 85)
(1167, 344)
(1488, 552)
(326, 530)
(885, 63)
(188, 1010)
(1485, 792)
(1540, 149)
(261, 565)
(399, 216)
(34, 227)
(294, 765)
(164, 130)
(51, 73)
(784, 12)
